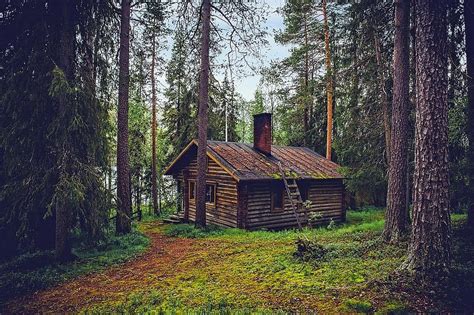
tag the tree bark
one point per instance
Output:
(306, 85)
(66, 63)
(396, 217)
(138, 198)
(429, 252)
(469, 24)
(154, 193)
(124, 210)
(329, 84)
(384, 94)
(202, 116)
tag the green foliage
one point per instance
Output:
(53, 144)
(34, 271)
(358, 306)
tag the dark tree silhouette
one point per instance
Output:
(469, 24)
(66, 64)
(124, 210)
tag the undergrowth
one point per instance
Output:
(33, 271)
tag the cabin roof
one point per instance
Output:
(243, 162)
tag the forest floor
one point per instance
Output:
(230, 270)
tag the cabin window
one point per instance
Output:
(303, 188)
(277, 197)
(211, 193)
(192, 190)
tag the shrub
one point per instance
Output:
(309, 250)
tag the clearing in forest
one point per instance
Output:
(185, 269)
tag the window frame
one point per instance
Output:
(192, 191)
(213, 203)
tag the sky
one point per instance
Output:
(247, 85)
(245, 82)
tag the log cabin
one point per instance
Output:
(261, 185)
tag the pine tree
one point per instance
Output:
(396, 217)
(429, 253)
(329, 85)
(469, 29)
(202, 116)
(154, 190)
(124, 209)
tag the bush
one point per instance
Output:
(309, 250)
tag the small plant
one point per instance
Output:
(308, 250)
(331, 225)
(314, 217)
(358, 306)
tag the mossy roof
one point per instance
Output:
(244, 162)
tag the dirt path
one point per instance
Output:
(158, 262)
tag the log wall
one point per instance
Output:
(326, 198)
(224, 212)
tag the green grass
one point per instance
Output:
(232, 271)
(33, 271)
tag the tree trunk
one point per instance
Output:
(429, 251)
(154, 194)
(138, 200)
(202, 118)
(396, 217)
(329, 85)
(66, 64)
(469, 23)
(384, 94)
(124, 210)
(306, 85)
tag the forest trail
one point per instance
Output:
(116, 282)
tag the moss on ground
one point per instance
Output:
(232, 269)
(36, 271)
(223, 271)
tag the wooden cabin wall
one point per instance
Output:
(224, 213)
(326, 199)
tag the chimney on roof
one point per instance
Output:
(262, 133)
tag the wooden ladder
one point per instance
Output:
(293, 193)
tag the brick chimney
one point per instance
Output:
(262, 133)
